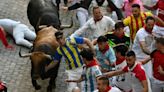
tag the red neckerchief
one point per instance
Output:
(120, 60)
(105, 49)
(92, 63)
(119, 36)
(148, 30)
(108, 88)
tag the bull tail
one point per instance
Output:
(24, 55)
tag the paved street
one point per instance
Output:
(15, 71)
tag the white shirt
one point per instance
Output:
(142, 35)
(118, 3)
(103, 7)
(121, 81)
(95, 29)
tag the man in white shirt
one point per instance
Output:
(96, 26)
(138, 78)
(103, 86)
(143, 43)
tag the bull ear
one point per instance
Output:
(49, 56)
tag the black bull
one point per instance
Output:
(44, 12)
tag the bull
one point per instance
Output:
(45, 46)
(44, 12)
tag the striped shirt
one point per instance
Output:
(89, 74)
(71, 53)
(135, 24)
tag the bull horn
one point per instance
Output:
(24, 55)
(49, 56)
(42, 26)
(67, 26)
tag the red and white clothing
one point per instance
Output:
(19, 31)
(121, 81)
(144, 36)
(160, 12)
(137, 75)
(89, 74)
(110, 89)
(158, 80)
(160, 7)
(3, 37)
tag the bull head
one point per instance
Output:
(38, 62)
(29, 54)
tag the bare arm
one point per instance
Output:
(77, 81)
(146, 60)
(144, 48)
(89, 44)
(145, 86)
(51, 65)
(114, 73)
(81, 30)
(159, 20)
(148, 7)
(160, 70)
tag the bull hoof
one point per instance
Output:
(49, 89)
(37, 87)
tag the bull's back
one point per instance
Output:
(45, 39)
(40, 8)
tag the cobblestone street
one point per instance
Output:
(15, 71)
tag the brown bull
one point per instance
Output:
(45, 46)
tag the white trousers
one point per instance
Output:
(148, 68)
(21, 32)
(74, 74)
(82, 15)
(157, 85)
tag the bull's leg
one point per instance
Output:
(51, 84)
(57, 3)
(34, 83)
(65, 2)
